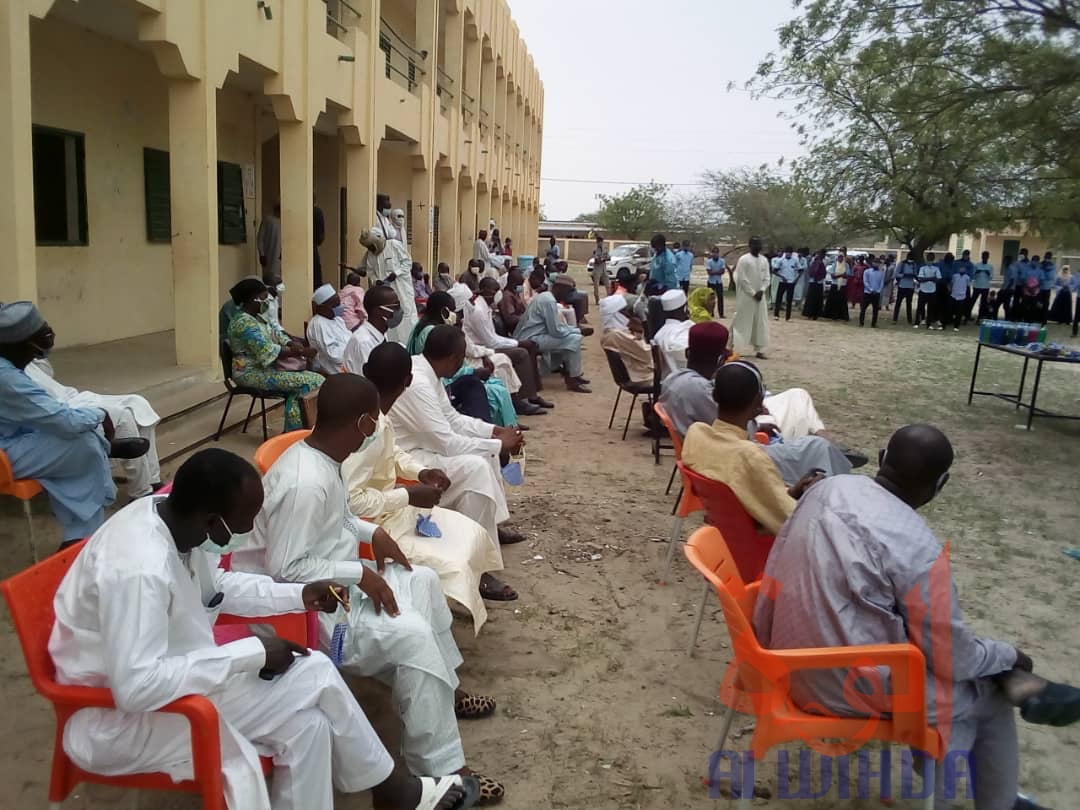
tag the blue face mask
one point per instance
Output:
(339, 310)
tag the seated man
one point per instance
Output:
(65, 449)
(398, 629)
(327, 332)
(135, 615)
(383, 314)
(464, 553)
(672, 337)
(624, 333)
(687, 396)
(480, 329)
(721, 450)
(352, 299)
(561, 343)
(132, 418)
(848, 566)
(468, 450)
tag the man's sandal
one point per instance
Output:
(433, 790)
(472, 707)
(491, 792)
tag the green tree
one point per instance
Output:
(635, 213)
(977, 100)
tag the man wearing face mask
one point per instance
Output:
(135, 614)
(65, 449)
(524, 354)
(327, 332)
(388, 262)
(855, 564)
(383, 314)
(398, 629)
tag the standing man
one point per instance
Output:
(804, 265)
(750, 326)
(965, 262)
(319, 223)
(482, 253)
(662, 269)
(981, 275)
(906, 274)
(715, 266)
(388, 262)
(929, 276)
(1047, 277)
(961, 294)
(599, 271)
(786, 267)
(684, 262)
(873, 284)
(268, 242)
(1008, 286)
(553, 254)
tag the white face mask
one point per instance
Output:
(281, 288)
(450, 319)
(498, 297)
(367, 439)
(385, 212)
(235, 541)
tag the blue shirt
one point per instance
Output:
(684, 260)
(554, 252)
(981, 275)
(662, 270)
(960, 281)
(787, 267)
(1047, 276)
(906, 272)
(947, 270)
(928, 278)
(541, 320)
(715, 268)
(873, 279)
(29, 409)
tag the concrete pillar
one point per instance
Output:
(193, 180)
(450, 236)
(296, 141)
(469, 224)
(423, 198)
(18, 280)
(360, 174)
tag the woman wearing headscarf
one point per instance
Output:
(258, 351)
(1061, 310)
(702, 303)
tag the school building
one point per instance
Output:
(142, 142)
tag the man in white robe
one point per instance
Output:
(398, 629)
(750, 328)
(131, 415)
(134, 614)
(674, 336)
(392, 488)
(327, 332)
(384, 312)
(479, 356)
(388, 261)
(468, 450)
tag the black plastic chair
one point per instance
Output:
(658, 435)
(623, 383)
(242, 390)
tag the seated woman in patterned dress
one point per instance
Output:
(259, 351)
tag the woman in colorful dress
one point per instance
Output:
(1061, 309)
(258, 352)
(855, 285)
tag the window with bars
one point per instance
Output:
(231, 226)
(408, 222)
(384, 46)
(435, 234)
(59, 170)
(157, 195)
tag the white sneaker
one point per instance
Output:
(916, 326)
(956, 328)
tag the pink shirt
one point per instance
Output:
(352, 298)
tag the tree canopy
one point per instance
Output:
(637, 213)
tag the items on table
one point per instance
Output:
(1008, 333)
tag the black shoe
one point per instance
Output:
(581, 380)
(1058, 704)
(856, 458)
(542, 403)
(135, 447)
(1024, 803)
(522, 407)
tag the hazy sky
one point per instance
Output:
(606, 70)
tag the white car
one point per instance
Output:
(634, 255)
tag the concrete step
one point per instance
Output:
(186, 431)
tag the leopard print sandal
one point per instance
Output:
(491, 792)
(472, 707)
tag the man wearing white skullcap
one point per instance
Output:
(674, 336)
(64, 449)
(326, 330)
(388, 262)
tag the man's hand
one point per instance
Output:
(529, 345)
(769, 430)
(383, 546)
(423, 496)
(108, 428)
(309, 352)
(586, 330)
(435, 478)
(1023, 661)
(804, 483)
(325, 596)
(489, 367)
(482, 374)
(279, 655)
(512, 439)
(380, 594)
(758, 295)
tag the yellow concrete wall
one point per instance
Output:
(119, 285)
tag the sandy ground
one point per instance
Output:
(599, 705)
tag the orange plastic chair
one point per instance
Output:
(29, 596)
(687, 502)
(271, 450)
(760, 678)
(22, 488)
(749, 549)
